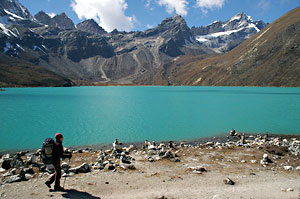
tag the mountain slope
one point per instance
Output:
(19, 73)
(270, 58)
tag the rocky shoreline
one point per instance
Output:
(222, 154)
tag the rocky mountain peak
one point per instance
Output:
(238, 21)
(240, 16)
(171, 22)
(90, 26)
(224, 36)
(43, 18)
(62, 21)
(169, 26)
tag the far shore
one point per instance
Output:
(140, 85)
(221, 138)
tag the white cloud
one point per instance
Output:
(149, 26)
(180, 6)
(264, 5)
(110, 14)
(148, 5)
(51, 14)
(206, 5)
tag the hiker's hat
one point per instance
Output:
(58, 136)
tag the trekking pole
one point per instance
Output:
(67, 172)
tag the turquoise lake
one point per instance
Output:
(92, 115)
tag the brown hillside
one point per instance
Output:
(269, 58)
(19, 73)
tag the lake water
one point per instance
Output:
(92, 115)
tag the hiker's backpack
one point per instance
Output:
(47, 150)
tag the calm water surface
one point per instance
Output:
(91, 115)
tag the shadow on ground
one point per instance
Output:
(74, 194)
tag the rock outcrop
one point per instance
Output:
(90, 26)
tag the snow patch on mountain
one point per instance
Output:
(6, 31)
(13, 15)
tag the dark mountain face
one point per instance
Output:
(270, 58)
(90, 26)
(43, 18)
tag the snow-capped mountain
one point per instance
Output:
(224, 36)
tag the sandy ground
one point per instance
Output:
(169, 179)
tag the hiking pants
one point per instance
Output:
(56, 175)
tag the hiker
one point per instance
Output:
(57, 154)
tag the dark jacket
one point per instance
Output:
(58, 152)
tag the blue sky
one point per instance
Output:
(135, 15)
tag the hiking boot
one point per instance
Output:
(58, 188)
(48, 184)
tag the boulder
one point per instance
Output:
(17, 161)
(84, 168)
(6, 164)
(228, 181)
(29, 171)
(28, 176)
(266, 160)
(65, 166)
(124, 159)
(168, 155)
(288, 168)
(197, 170)
(6, 156)
(128, 166)
(109, 167)
(12, 179)
(151, 159)
(129, 149)
(201, 169)
(151, 152)
(289, 189)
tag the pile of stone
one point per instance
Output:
(294, 147)
(153, 152)
(19, 167)
(115, 158)
(265, 160)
